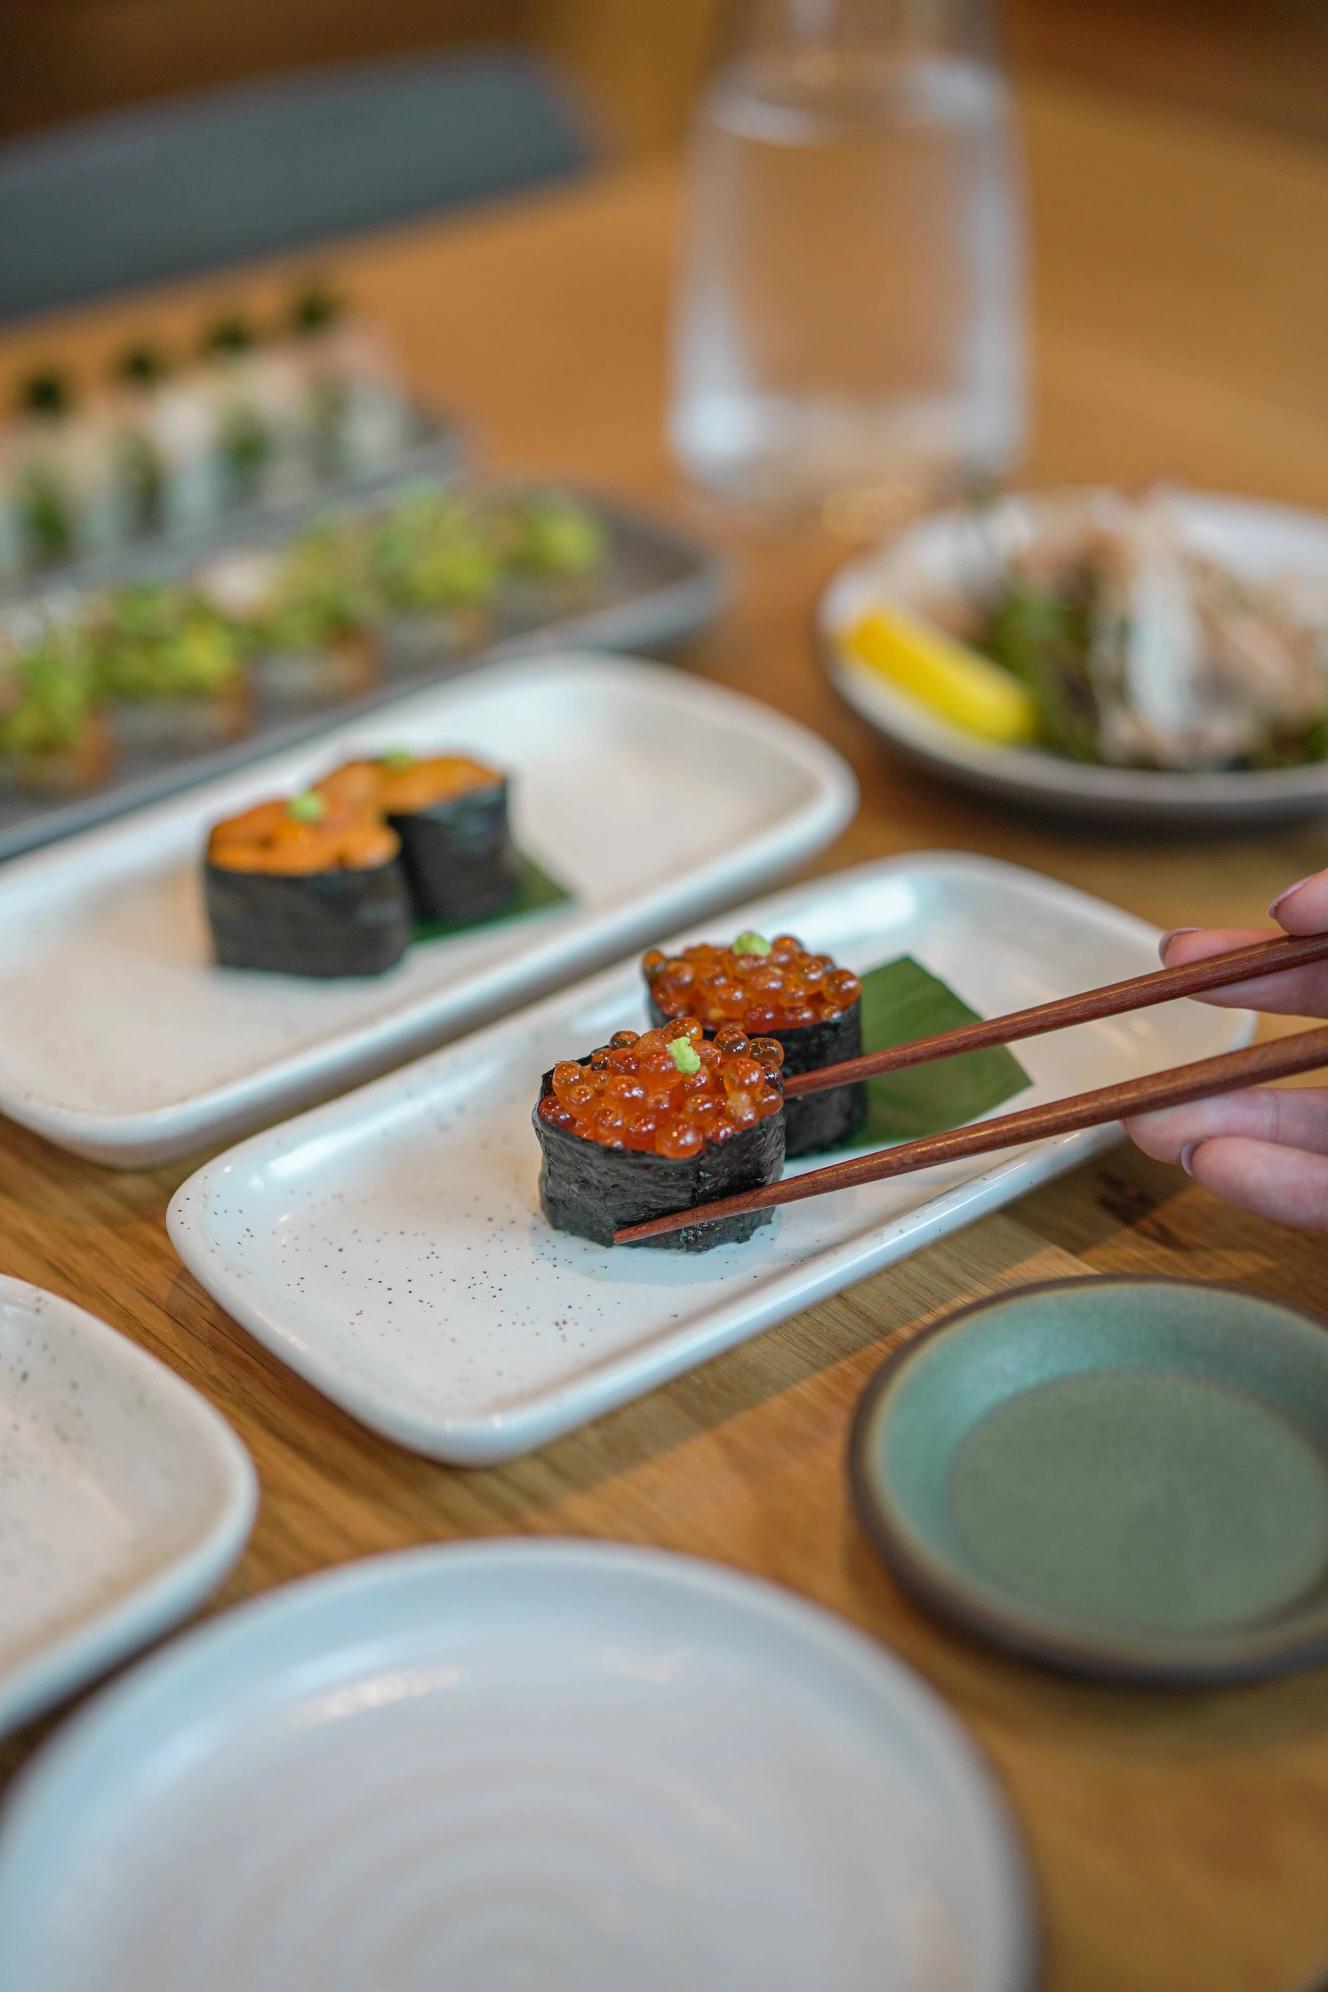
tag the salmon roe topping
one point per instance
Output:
(666, 1092)
(760, 985)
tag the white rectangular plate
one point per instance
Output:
(650, 795)
(390, 1246)
(124, 1498)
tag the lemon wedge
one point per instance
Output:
(945, 675)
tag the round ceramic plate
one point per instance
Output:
(935, 559)
(503, 1767)
(1125, 1478)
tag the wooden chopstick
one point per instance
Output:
(1138, 992)
(1276, 1059)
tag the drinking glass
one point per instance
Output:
(849, 319)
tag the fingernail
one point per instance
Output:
(1291, 890)
(1187, 1156)
(1174, 935)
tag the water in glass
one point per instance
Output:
(850, 306)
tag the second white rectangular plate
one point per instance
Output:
(649, 795)
(390, 1246)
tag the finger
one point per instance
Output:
(1300, 992)
(1285, 1184)
(1303, 908)
(1291, 1117)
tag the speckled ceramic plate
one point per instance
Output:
(390, 1246)
(124, 1499)
(945, 554)
(1125, 1478)
(516, 1767)
(649, 795)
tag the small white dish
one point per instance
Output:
(124, 1499)
(501, 1766)
(649, 795)
(939, 557)
(390, 1246)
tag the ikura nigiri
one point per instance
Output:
(779, 989)
(658, 1122)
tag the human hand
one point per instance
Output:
(1265, 1149)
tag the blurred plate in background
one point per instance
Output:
(658, 586)
(934, 559)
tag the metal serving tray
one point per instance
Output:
(659, 586)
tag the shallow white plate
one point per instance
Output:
(390, 1246)
(935, 560)
(650, 795)
(516, 1767)
(124, 1499)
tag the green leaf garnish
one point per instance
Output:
(685, 1055)
(750, 943)
(310, 807)
(400, 757)
(901, 1001)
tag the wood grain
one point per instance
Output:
(1178, 1839)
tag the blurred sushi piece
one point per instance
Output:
(437, 568)
(139, 468)
(172, 669)
(258, 400)
(165, 441)
(654, 1123)
(451, 814)
(54, 739)
(307, 886)
(60, 474)
(314, 616)
(549, 540)
(754, 988)
(357, 413)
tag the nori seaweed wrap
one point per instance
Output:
(450, 813)
(810, 1007)
(602, 1165)
(307, 888)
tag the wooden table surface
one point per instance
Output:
(1180, 1841)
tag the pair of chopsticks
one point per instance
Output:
(1278, 1059)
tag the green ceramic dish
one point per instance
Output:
(1123, 1478)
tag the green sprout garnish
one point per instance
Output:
(750, 943)
(310, 807)
(400, 757)
(141, 366)
(46, 394)
(315, 308)
(685, 1055)
(232, 334)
